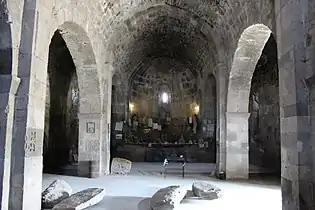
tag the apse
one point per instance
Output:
(162, 105)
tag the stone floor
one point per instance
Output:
(132, 192)
(149, 168)
(191, 168)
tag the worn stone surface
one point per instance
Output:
(205, 190)
(81, 200)
(112, 38)
(8, 87)
(167, 198)
(264, 120)
(61, 110)
(121, 166)
(296, 104)
(57, 191)
(247, 54)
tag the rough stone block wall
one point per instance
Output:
(208, 111)
(224, 21)
(295, 39)
(73, 106)
(147, 88)
(119, 97)
(5, 40)
(264, 121)
(62, 80)
(40, 20)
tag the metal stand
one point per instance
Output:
(165, 164)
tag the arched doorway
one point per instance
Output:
(73, 121)
(248, 52)
(62, 106)
(264, 119)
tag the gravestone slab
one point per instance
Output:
(167, 198)
(121, 166)
(81, 200)
(205, 190)
(57, 191)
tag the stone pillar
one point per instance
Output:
(296, 47)
(8, 88)
(237, 162)
(90, 144)
(221, 121)
(107, 122)
(105, 149)
(28, 120)
(27, 145)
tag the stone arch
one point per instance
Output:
(247, 54)
(82, 53)
(94, 32)
(152, 14)
(90, 98)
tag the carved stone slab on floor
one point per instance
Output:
(81, 200)
(167, 198)
(57, 191)
(121, 166)
(205, 190)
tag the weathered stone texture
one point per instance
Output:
(81, 200)
(110, 38)
(147, 82)
(264, 121)
(296, 109)
(167, 198)
(205, 190)
(8, 87)
(57, 191)
(121, 166)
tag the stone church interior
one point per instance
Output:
(156, 104)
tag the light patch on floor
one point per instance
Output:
(133, 192)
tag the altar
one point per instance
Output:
(146, 144)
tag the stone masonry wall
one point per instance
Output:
(147, 87)
(62, 79)
(33, 23)
(208, 106)
(264, 121)
(5, 40)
